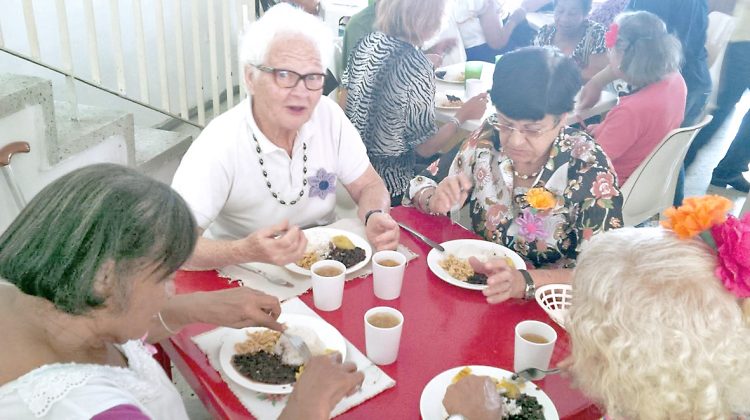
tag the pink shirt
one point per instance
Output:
(634, 127)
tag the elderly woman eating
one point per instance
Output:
(86, 275)
(390, 95)
(273, 163)
(647, 57)
(533, 185)
(659, 326)
(576, 36)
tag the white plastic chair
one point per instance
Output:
(651, 187)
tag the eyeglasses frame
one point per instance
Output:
(274, 71)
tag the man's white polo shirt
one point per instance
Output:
(222, 180)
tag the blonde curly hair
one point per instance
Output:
(654, 333)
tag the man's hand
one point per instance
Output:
(237, 308)
(279, 244)
(503, 281)
(474, 397)
(382, 231)
(451, 192)
(323, 383)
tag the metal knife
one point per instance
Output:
(422, 238)
(279, 282)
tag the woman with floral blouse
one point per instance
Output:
(533, 184)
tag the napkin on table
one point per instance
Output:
(301, 283)
(266, 406)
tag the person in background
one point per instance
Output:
(735, 81)
(605, 13)
(86, 275)
(483, 33)
(271, 165)
(659, 326)
(390, 92)
(532, 184)
(688, 21)
(360, 24)
(647, 57)
(576, 36)
(363, 22)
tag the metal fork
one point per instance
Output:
(274, 280)
(299, 344)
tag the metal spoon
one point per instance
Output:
(532, 374)
(274, 280)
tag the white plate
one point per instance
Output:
(441, 100)
(465, 248)
(431, 401)
(328, 335)
(453, 73)
(322, 235)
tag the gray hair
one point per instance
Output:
(648, 51)
(279, 20)
(95, 215)
(654, 333)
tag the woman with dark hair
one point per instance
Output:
(85, 274)
(533, 184)
(390, 92)
(576, 36)
(647, 57)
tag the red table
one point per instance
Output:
(444, 327)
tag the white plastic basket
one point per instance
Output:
(555, 299)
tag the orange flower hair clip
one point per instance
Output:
(729, 236)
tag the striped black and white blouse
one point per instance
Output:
(391, 102)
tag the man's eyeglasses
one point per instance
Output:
(289, 79)
(528, 133)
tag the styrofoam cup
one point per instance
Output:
(381, 343)
(529, 353)
(387, 280)
(474, 87)
(328, 291)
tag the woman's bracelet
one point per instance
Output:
(425, 204)
(164, 324)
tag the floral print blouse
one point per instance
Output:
(574, 197)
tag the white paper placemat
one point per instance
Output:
(301, 283)
(265, 406)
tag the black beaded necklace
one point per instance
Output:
(268, 183)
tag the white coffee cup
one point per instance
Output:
(387, 280)
(382, 342)
(474, 87)
(534, 344)
(328, 290)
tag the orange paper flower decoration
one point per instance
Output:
(696, 214)
(540, 199)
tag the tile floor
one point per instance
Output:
(696, 183)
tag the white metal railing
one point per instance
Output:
(187, 53)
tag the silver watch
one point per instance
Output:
(530, 286)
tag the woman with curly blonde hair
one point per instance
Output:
(660, 322)
(654, 333)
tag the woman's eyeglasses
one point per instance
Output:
(528, 133)
(289, 79)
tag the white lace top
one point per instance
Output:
(81, 391)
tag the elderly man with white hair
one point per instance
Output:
(271, 165)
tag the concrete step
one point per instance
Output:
(156, 148)
(19, 92)
(93, 126)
